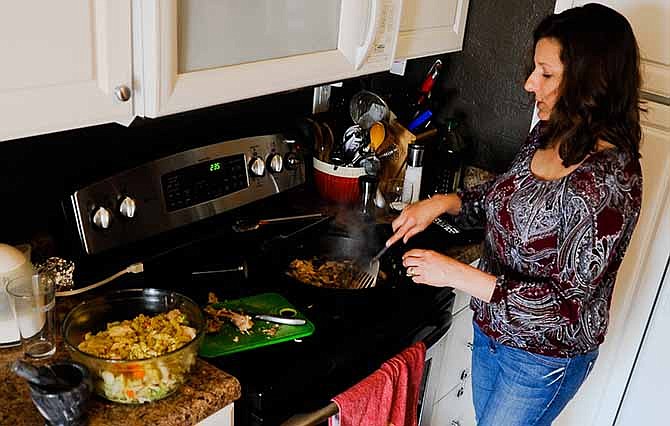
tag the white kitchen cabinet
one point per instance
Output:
(430, 27)
(453, 390)
(649, 20)
(641, 273)
(637, 284)
(457, 353)
(62, 63)
(643, 402)
(456, 408)
(223, 417)
(198, 53)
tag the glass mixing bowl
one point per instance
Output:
(134, 381)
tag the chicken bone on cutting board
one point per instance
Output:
(243, 322)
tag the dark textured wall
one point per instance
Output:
(489, 74)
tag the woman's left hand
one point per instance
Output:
(428, 267)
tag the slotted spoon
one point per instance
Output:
(367, 276)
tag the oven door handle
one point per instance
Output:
(314, 418)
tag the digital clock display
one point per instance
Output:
(205, 181)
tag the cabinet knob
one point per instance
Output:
(470, 345)
(122, 93)
(460, 392)
(455, 423)
(464, 374)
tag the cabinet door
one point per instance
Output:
(205, 52)
(61, 64)
(637, 284)
(429, 27)
(643, 404)
(457, 354)
(456, 408)
(649, 20)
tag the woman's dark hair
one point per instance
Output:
(600, 91)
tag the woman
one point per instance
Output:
(557, 223)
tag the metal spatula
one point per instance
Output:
(367, 276)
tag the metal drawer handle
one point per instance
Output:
(460, 392)
(464, 374)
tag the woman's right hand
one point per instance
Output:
(417, 216)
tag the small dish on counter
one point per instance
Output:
(133, 381)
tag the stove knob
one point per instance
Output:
(102, 218)
(257, 166)
(127, 207)
(292, 161)
(275, 163)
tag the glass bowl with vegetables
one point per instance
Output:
(139, 344)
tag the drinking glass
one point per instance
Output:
(392, 191)
(32, 299)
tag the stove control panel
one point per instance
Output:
(184, 188)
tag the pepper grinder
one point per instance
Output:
(412, 184)
(368, 190)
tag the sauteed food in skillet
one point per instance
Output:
(321, 272)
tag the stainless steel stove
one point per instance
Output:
(176, 213)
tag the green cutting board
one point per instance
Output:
(223, 343)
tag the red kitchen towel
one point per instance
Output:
(387, 397)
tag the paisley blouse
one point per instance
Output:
(555, 247)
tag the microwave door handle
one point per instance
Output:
(374, 9)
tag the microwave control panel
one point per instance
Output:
(184, 188)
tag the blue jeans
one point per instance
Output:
(513, 387)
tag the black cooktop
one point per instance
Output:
(355, 330)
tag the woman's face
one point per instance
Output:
(545, 80)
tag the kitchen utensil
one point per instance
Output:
(366, 108)
(421, 119)
(13, 264)
(43, 376)
(367, 276)
(377, 135)
(429, 82)
(229, 340)
(245, 225)
(352, 141)
(64, 406)
(134, 381)
(286, 320)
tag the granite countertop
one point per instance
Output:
(207, 390)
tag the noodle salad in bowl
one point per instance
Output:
(139, 345)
